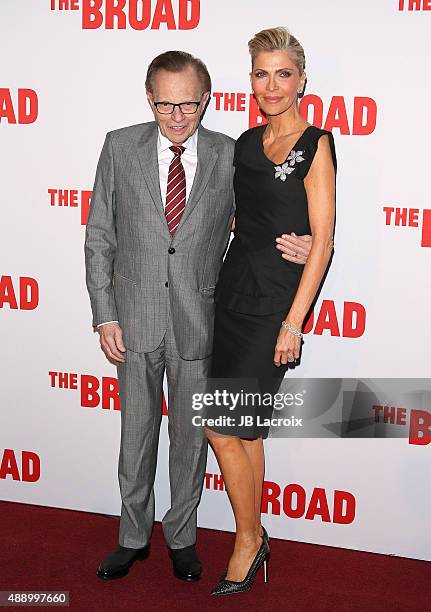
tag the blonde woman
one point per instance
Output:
(284, 178)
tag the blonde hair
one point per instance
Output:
(278, 39)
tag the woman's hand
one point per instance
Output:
(287, 348)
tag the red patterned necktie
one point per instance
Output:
(176, 190)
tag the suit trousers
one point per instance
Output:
(141, 386)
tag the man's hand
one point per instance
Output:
(294, 248)
(111, 342)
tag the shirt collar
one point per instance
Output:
(191, 144)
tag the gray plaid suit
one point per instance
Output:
(160, 289)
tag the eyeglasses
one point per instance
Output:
(167, 108)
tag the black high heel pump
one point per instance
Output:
(229, 587)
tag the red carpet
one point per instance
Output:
(51, 549)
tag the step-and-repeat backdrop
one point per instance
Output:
(71, 70)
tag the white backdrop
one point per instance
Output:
(55, 450)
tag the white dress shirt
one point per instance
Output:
(164, 155)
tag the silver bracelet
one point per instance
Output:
(292, 329)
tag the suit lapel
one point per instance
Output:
(148, 159)
(207, 157)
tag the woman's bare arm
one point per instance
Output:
(320, 187)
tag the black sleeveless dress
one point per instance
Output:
(256, 286)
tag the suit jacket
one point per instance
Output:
(136, 272)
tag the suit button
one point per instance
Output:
(166, 284)
(171, 251)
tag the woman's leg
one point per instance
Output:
(238, 476)
(255, 453)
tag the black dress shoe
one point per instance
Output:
(185, 562)
(118, 563)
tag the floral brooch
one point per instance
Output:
(287, 168)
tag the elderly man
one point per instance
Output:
(158, 227)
